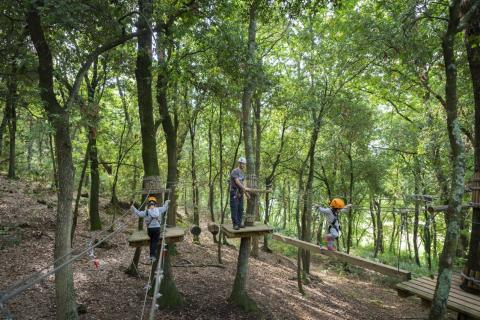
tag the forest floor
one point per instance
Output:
(27, 221)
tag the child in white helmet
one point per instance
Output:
(153, 219)
(337, 205)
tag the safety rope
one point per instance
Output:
(22, 286)
(147, 287)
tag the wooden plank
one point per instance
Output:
(140, 238)
(258, 229)
(451, 304)
(455, 288)
(453, 298)
(455, 291)
(358, 261)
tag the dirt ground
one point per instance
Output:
(27, 221)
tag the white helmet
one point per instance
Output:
(242, 160)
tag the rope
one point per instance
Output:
(476, 281)
(12, 292)
(147, 287)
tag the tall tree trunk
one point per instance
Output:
(258, 140)
(307, 198)
(3, 127)
(239, 295)
(195, 194)
(220, 156)
(378, 213)
(416, 177)
(169, 291)
(170, 132)
(211, 179)
(439, 303)
(94, 197)
(350, 197)
(79, 193)
(12, 98)
(374, 227)
(30, 146)
(143, 75)
(472, 267)
(54, 161)
(126, 131)
(269, 182)
(59, 119)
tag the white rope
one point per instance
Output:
(12, 292)
(476, 281)
(147, 287)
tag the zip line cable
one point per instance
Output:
(16, 290)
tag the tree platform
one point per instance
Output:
(467, 305)
(258, 229)
(139, 238)
(342, 256)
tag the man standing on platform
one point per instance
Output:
(237, 189)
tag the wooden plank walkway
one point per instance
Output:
(466, 304)
(140, 238)
(342, 256)
(258, 229)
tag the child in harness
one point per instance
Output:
(337, 205)
(154, 219)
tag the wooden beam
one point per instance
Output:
(140, 238)
(445, 208)
(341, 256)
(258, 229)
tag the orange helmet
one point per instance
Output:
(337, 203)
(152, 198)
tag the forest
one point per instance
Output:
(105, 104)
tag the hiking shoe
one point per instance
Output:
(151, 260)
(242, 226)
(235, 227)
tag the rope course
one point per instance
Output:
(33, 279)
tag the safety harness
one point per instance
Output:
(152, 218)
(333, 224)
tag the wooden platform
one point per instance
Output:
(466, 304)
(342, 256)
(139, 238)
(259, 229)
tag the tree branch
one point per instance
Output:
(91, 57)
